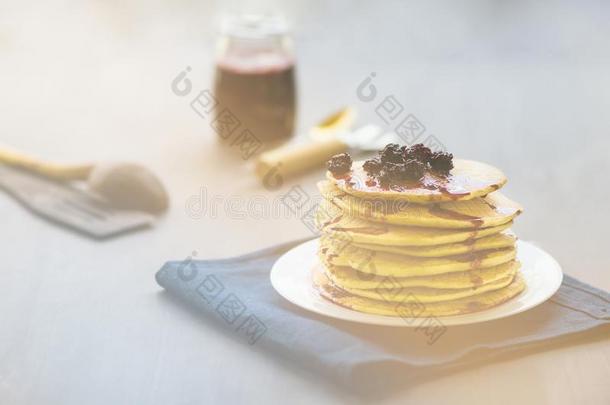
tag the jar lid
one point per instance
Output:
(254, 26)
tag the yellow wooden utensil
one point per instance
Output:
(46, 169)
(294, 159)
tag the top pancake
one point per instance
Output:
(491, 210)
(467, 180)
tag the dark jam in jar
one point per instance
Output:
(255, 77)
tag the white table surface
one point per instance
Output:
(82, 322)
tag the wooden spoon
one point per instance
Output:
(124, 185)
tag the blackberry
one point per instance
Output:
(392, 153)
(441, 162)
(395, 170)
(414, 169)
(372, 166)
(339, 164)
(418, 152)
(390, 173)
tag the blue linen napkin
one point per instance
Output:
(237, 294)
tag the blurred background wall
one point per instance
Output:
(522, 84)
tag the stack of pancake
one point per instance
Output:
(440, 248)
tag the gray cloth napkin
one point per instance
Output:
(237, 295)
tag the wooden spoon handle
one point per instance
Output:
(46, 169)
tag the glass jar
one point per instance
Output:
(255, 76)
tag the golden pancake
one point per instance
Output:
(424, 294)
(390, 264)
(498, 241)
(347, 278)
(413, 308)
(468, 179)
(332, 221)
(491, 210)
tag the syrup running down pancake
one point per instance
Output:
(492, 210)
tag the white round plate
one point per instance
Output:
(291, 278)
